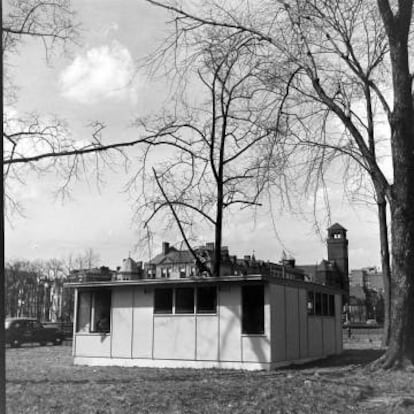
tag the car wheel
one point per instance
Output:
(15, 343)
(57, 341)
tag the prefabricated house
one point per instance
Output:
(249, 321)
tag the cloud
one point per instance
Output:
(102, 73)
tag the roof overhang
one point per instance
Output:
(222, 280)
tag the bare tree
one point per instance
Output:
(334, 62)
(212, 164)
(51, 22)
(21, 288)
(39, 143)
(86, 260)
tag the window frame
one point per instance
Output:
(95, 319)
(196, 310)
(90, 317)
(320, 303)
(162, 311)
(331, 305)
(325, 304)
(248, 317)
(179, 309)
(310, 303)
(206, 312)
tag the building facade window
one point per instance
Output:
(94, 311)
(163, 300)
(182, 272)
(253, 310)
(207, 299)
(184, 300)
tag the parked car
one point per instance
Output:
(29, 330)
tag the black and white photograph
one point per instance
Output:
(208, 207)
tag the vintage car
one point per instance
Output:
(29, 330)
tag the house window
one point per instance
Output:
(182, 272)
(184, 300)
(164, 272)
(101, 311)
(311, 303)
(318, 303)
(163, 300)
(325, 304)
(331, 305)
(253, 310)
(94, 311)
(83, 320)
(206, 300)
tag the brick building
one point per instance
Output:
(333, 271)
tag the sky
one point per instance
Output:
(100, 79)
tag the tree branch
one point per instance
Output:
(199, 264)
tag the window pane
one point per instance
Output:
(206, 300)
(318, 303)
(325, 304)
(311, 303)
(332, 305)
(102, 311)
(163, 301)
(184, 300)
(253, 309)
(84, 312)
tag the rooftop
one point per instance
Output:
(250, 278)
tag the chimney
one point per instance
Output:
(165, 248)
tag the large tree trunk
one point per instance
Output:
(386, 268)
(401, 341)
(401, 344)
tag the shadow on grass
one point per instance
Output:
(348, 357)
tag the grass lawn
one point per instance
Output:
(44, 380)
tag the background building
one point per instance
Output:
(173, 263)
(366, 295)
(334, 271)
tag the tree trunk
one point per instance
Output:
(385, 264)
(218, 230)
(401, 340)
(401, 344)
